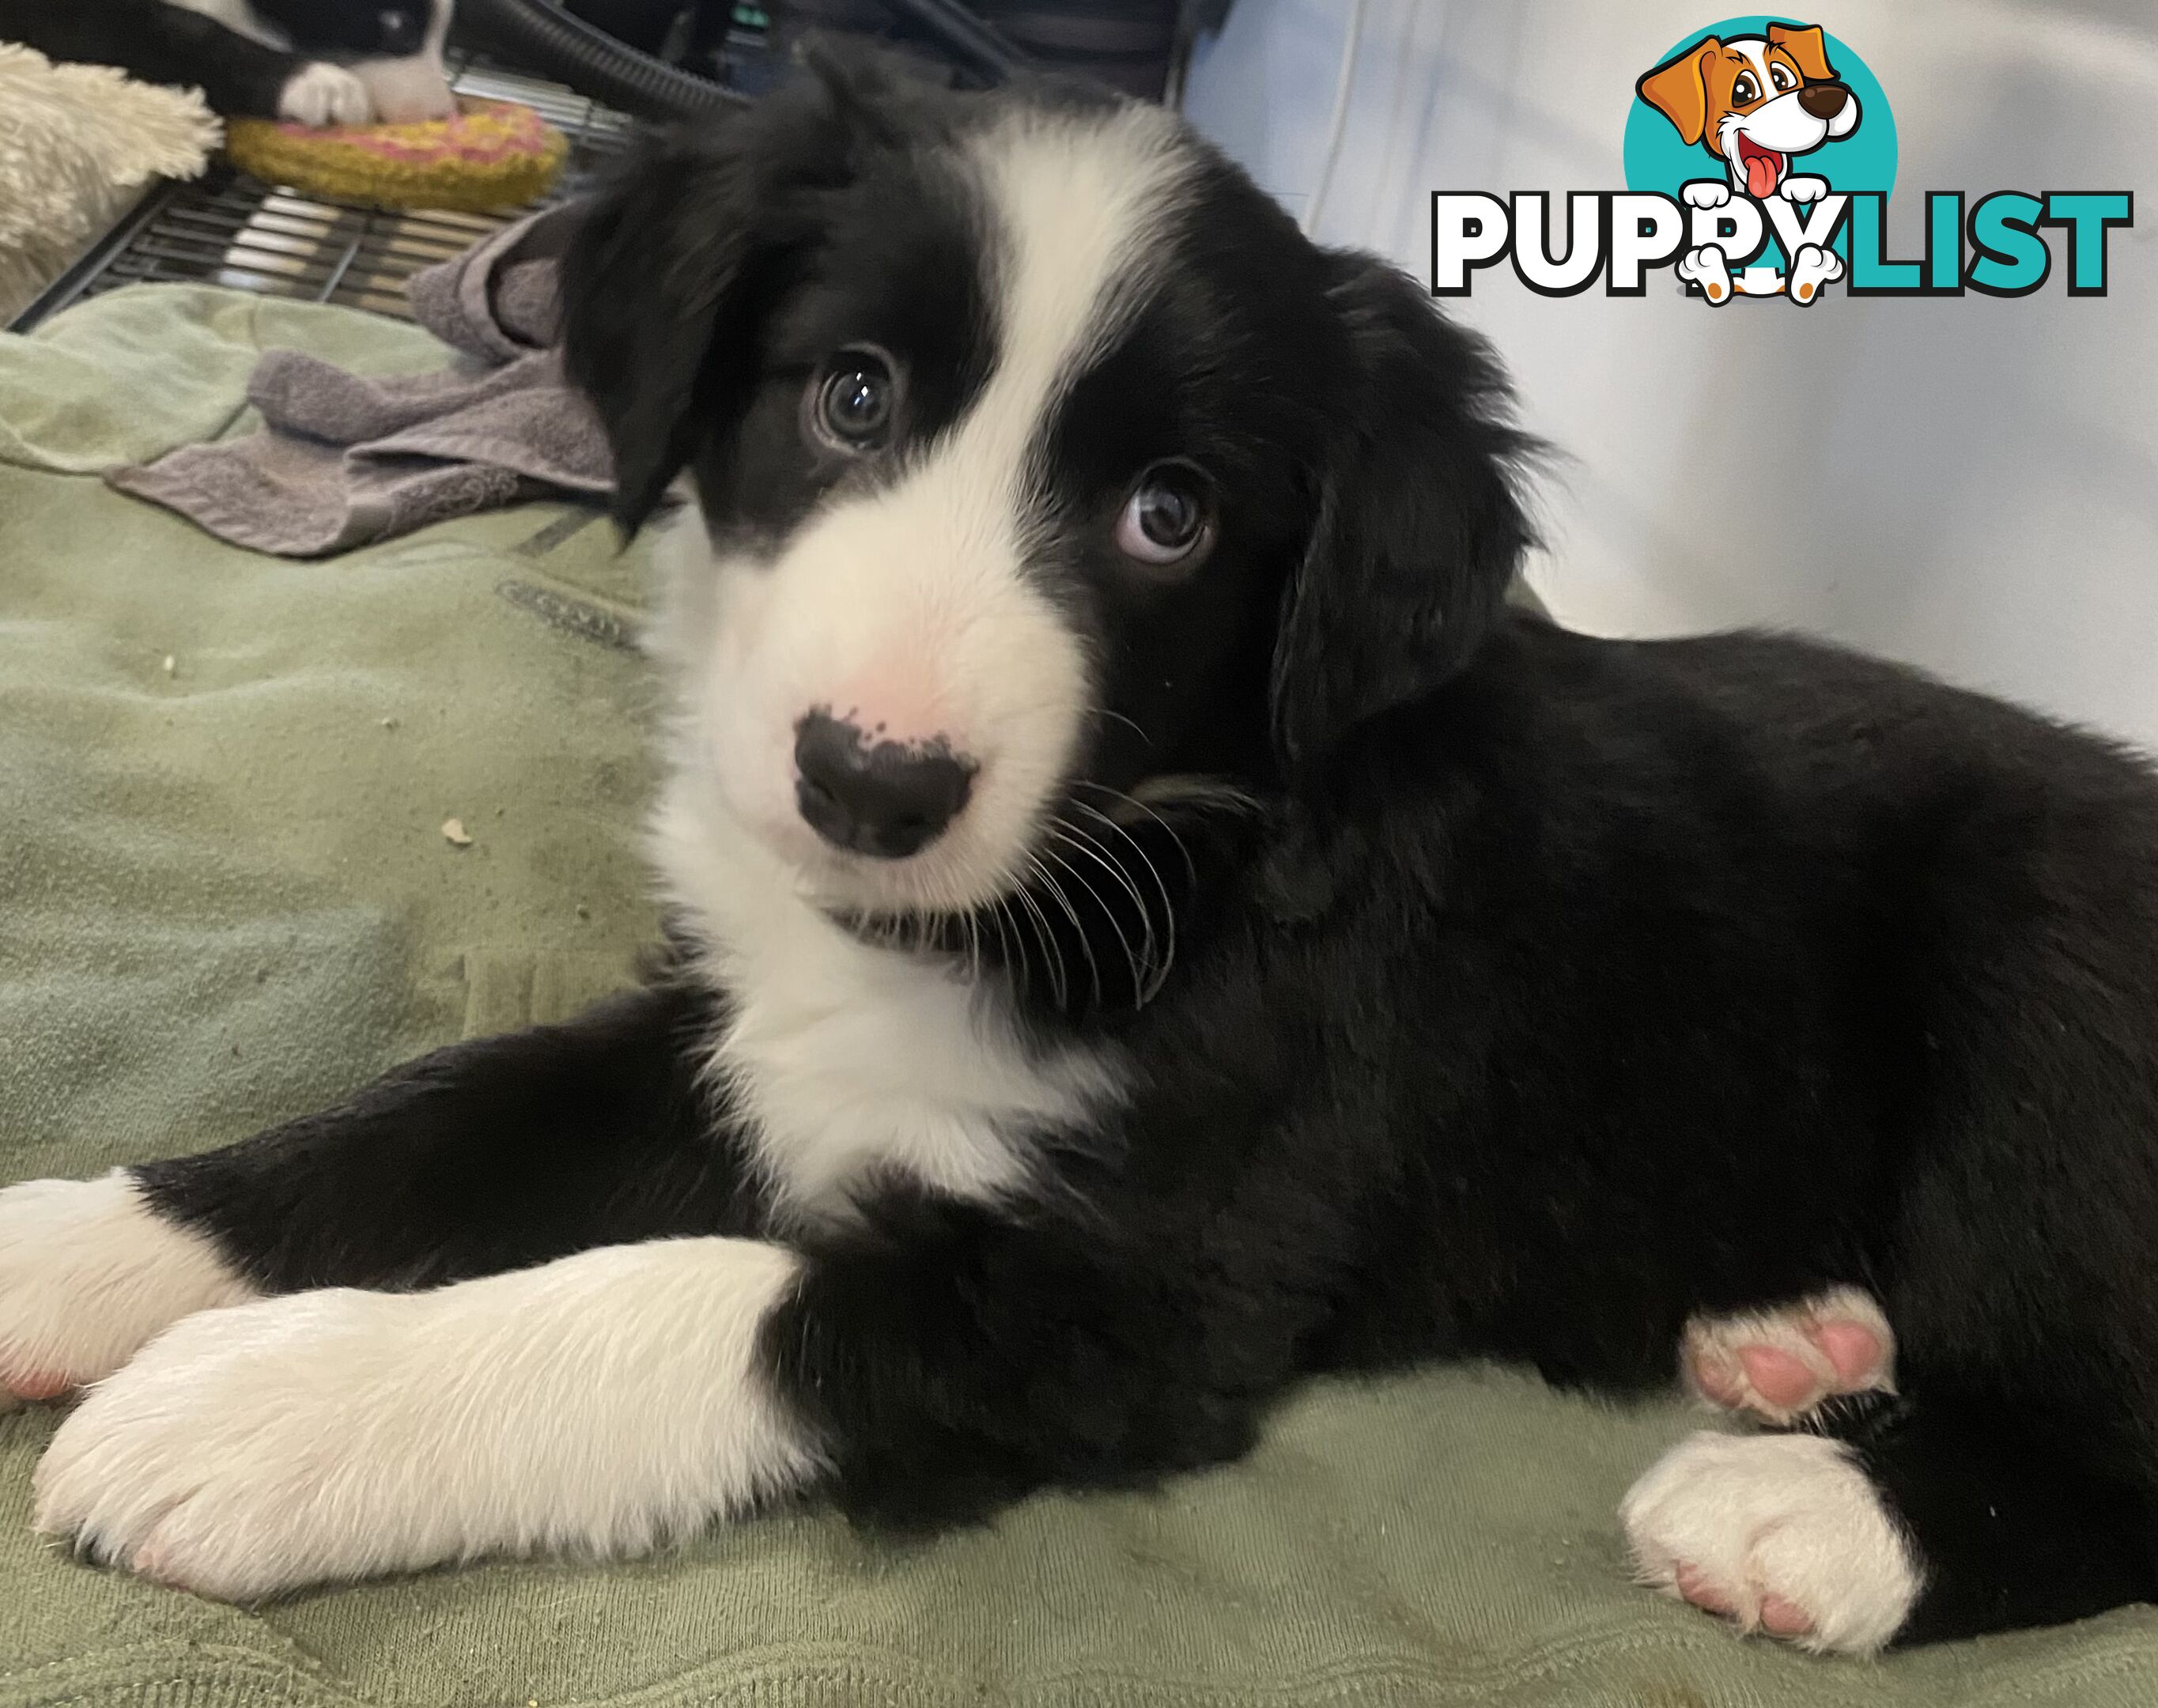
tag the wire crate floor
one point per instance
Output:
(228, 228)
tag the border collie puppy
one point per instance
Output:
(314, 62)
(1152, 925)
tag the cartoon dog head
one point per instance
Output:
(1754, 102)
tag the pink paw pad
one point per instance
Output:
(1779, 1364)
(1775, 1615)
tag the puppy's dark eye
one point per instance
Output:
(1168, 519)
(853, 402)
(1782, 79)
(1744, 90)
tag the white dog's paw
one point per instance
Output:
(1813, 268)
(1779, 1365)
(242, 1453)
(407, 91)
(319, 94)
(1783, 1533)
(1800, 188)
(600, 1403)
(1705, 193)
(88, 1274)
(1706, 267)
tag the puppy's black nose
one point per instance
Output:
(1823, 101)
(886, 800)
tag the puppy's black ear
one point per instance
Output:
(675, 263)
(1420, 529)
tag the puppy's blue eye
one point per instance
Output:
(853, 403)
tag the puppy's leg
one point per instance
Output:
(931, 1360)
(487, 1156)
(87, 1275)
(238, 76)
(598, 1404)
(1779, 1364)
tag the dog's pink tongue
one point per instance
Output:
(1760, 176)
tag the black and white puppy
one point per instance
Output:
(314, 62)
(1153, 925)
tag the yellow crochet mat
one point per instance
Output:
(492, 154)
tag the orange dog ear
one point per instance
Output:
(1678, 88)
(1803, 42)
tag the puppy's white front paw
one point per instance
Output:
(601, 1403)
(234, 1456)
(1801, 188)
(319, 94)
(1705, 193)
(1783, 1534)
(88, 1274)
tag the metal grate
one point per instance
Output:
(230, 228)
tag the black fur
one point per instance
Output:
(238, 76)
(1543, 992)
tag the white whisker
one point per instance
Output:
(1072, 837)
(1064, 901)
(1168, 900)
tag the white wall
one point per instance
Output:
(1968, 483)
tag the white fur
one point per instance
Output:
(87, 1275)
(846, 1059)
(396, 91)
(319, 94)
(602, 1404)
(912, 610)
(238, 16)
(1705, 191)
(417, 87)
(1788, 1515)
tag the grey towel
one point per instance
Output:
(343, 460)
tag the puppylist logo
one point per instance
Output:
(1760, 159)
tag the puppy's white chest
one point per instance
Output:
(848, 1062)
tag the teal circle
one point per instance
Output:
(1656, 159)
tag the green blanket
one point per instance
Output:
(226, 897)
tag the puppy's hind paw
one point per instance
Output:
(1779, 1364)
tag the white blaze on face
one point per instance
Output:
(910, 610)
